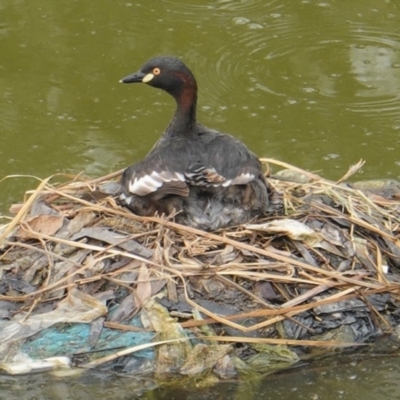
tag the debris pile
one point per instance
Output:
(83, 278)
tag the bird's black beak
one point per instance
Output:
(133, 78)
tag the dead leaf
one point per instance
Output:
(113, 238)
(332, 234)
(44, 223)
(40, 207)
(126, 308)
(143, 288)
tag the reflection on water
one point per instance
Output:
(93, 384)
(376, 68)
(363, 379)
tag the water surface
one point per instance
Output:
(316, 84)
(369, 379)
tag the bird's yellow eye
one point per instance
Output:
(156, 71)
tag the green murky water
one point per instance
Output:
(313, 83)
(368, 380)
(316, 84)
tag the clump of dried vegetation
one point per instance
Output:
(328, 256)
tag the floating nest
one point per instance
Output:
(322, 271)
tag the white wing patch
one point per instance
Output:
(241, 179)
(125, 199)
(151, 182)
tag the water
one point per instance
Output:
(312, 83)
(367, 379)
(316, 84)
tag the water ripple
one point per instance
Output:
(230, 6)
(357, 66)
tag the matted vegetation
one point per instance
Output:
(326, 257)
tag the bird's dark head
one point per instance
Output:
(167, 73)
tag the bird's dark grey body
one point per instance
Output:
(210, 179)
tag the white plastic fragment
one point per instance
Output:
(294, 229)
(33, 366)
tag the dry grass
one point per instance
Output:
(352, 240)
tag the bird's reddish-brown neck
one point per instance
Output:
(184, 118)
